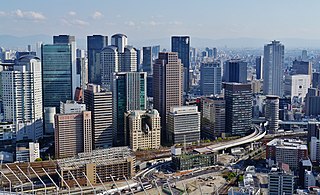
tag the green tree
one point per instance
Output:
(38, 159)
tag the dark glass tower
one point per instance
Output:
(235, 71)
(95, 44)
(181, 45)
(147, 60)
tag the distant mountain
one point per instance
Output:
(20, 43)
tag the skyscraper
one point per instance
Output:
(129, 93)
(109, 64)
(95, 44)
(22, 97)
(238, 108)
(210, 82)
(128, 60)
(273, 68)
(99, 102)
(147, 60)
(181, 45)
(120, 41)
(259, 67)
(167, 85)
(272, 112)
(235, 71)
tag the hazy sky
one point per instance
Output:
(150, 19)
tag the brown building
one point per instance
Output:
(167, 85)
(73, 134)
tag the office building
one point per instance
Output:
(288, 151)
(167, 86)
(129, 93)
(72, 134)
(82, 69)
(316, 80)
(71, 42)
(272, 113)
(313, 129)
(57, 64)
(71, 107)
(128, 60)
(259, 67)
(302, 67)
(281, 181)
(238, 99)
(296, 86)
(22, 97)
(99, 102)
(314, 146)
(147, 60)
(235, 71)
(183, 125)
(49, 113)
(210, 78)
(273, 64)
(119, 41)
(143, 129)
(28, 153)
(215, 53)
(109, 64)
(304, 56)
(7, 131)
(95, 44)
(213, 117)
(193, 161)
(312, 105)
(256, 86)
(155, 51)
(181, 45)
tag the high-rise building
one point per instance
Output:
(296, 86)
(259, 67)
(314, 146)
(99, 102)
(71, 107)
(181, 45)
(76, 73)
(109, 64)
(210, 80)
(213, 117)
(238, 108)
(167, 86)
(215, 53)
(273, 64)
(289, 151)
(128, 60)
(60, 76)
(155, 51)
(272, 112)
(281, 181)
(235, 71)
(72, 134)
(183, 125)
(147, 60)
(304, 56)
(119, 41)
(301, 67)
(129, 93)
(143, 127)
(22, 97)
(95, 44)
(312, 105)
(316, 80)
(49, 113)
(82, 69)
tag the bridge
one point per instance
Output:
(258, 134)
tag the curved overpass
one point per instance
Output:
(255, 136)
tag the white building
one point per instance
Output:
(183, 124)
(309, 179)
(49, 113)
(297, 86)
(314, 149)
(7, 131)
(109, 65)
(22, 97)
(273, 63)
(24, 154)
(71, 107)
(120, 41)
(144, 129)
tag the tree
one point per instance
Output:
(38, 159)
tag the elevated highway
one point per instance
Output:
(258, 134)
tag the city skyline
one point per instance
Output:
(146, 21)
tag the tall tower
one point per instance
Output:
(238, 98)
(167, 85)
(147, 60)
(128, 60)
(273, 68)
(259, 67)
(22, 97)
(235, 71)
(99, 102)
(109, 64)
(120, 41)
(181, 45)
(272, 112)
(129, 93)
(95, 44)
(210, 82)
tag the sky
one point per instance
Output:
(150, 19)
